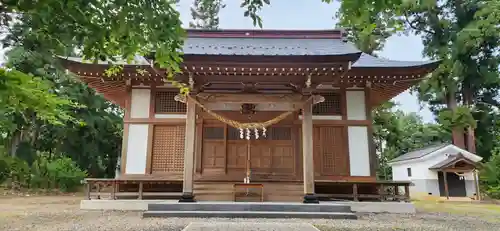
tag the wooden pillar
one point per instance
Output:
(446, 192)
(307, 153)
(355, 192)
(476, 184)
(141, 189)
(407, 192)
(189, 145)
(113, 192)
(88, 188)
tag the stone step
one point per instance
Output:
(248, 206)
(250, 214)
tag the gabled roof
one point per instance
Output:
(274, 43)
(452, 159)
(436, 149)
(418, 153)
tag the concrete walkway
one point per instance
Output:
(247, 226)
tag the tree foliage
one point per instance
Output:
(87, 128)
(23, 96)
(490, 175)
(99, 30)
(204, 15)
(396, 133)
(464, 35)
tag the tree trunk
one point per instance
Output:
(470, 140)
(14, 142)
(457, 133)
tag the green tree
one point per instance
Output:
(92, 138)
(99, 30)
(396, 133)
(465, 36)
(24, 99)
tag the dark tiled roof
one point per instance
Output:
(419, 152)
(267, 46)
(366, 60)
(274, 43)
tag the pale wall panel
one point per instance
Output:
(141, 100)
(170, 116)
(359, 152)
(356, 107)
(137, 148)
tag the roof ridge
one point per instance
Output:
(274, 33)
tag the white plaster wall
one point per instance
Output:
(137, 146)
(359, 151)
(140, 103)
(356, 108)
(170, 116)
(425, 180)
(399, 173)
(470, 188)
(420, 167)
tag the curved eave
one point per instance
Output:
(382, 92)
(420, 69)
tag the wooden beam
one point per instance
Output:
(307, 154)
(251, 98)
(189, 149)
(123, 157)
(149, 153)
(446, 192)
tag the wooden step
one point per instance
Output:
(251, 214)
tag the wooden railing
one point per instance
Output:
(377, 190)
(100, 188)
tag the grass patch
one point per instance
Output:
(331, 228)
(458, 207)
(490, 212)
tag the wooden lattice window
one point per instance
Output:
(331, 105)
(213, 133)
(233, 133)
(168, 149)
(165, 103)
(280, 133)
(329, 151)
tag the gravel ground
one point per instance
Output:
(63, 213)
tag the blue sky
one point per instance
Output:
(313, 14)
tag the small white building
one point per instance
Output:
(426, 168)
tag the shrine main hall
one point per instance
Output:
(271, 115)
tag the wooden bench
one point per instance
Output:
(113, 184)
(248, 186)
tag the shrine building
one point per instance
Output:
(271, 115)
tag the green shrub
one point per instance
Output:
(60, 173)
(39, 173)
(65, 174)
(4, 170)
(490, 175)
(19, 174)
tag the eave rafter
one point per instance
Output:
(258, 77)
